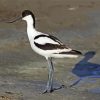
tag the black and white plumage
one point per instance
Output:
(46, 45)
(54, 47)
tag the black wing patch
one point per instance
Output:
(73, 52)
(49, 46)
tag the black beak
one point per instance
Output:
(12, 21)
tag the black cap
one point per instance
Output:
(27, 12)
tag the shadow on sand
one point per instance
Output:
(85, 69)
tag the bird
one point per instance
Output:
(45, 45)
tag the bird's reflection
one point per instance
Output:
(84, 68)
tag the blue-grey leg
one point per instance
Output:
(49, 87)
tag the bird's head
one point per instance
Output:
(26, 15)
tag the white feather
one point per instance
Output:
(44, 40)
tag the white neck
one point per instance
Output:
(30, 28)
(31, 32)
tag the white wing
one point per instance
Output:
(44, 39)
(48, 42)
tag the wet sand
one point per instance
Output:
(23, 73)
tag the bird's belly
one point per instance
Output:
(39, 51)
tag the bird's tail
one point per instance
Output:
(75, 52)
(72, 52)
(67, 54)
